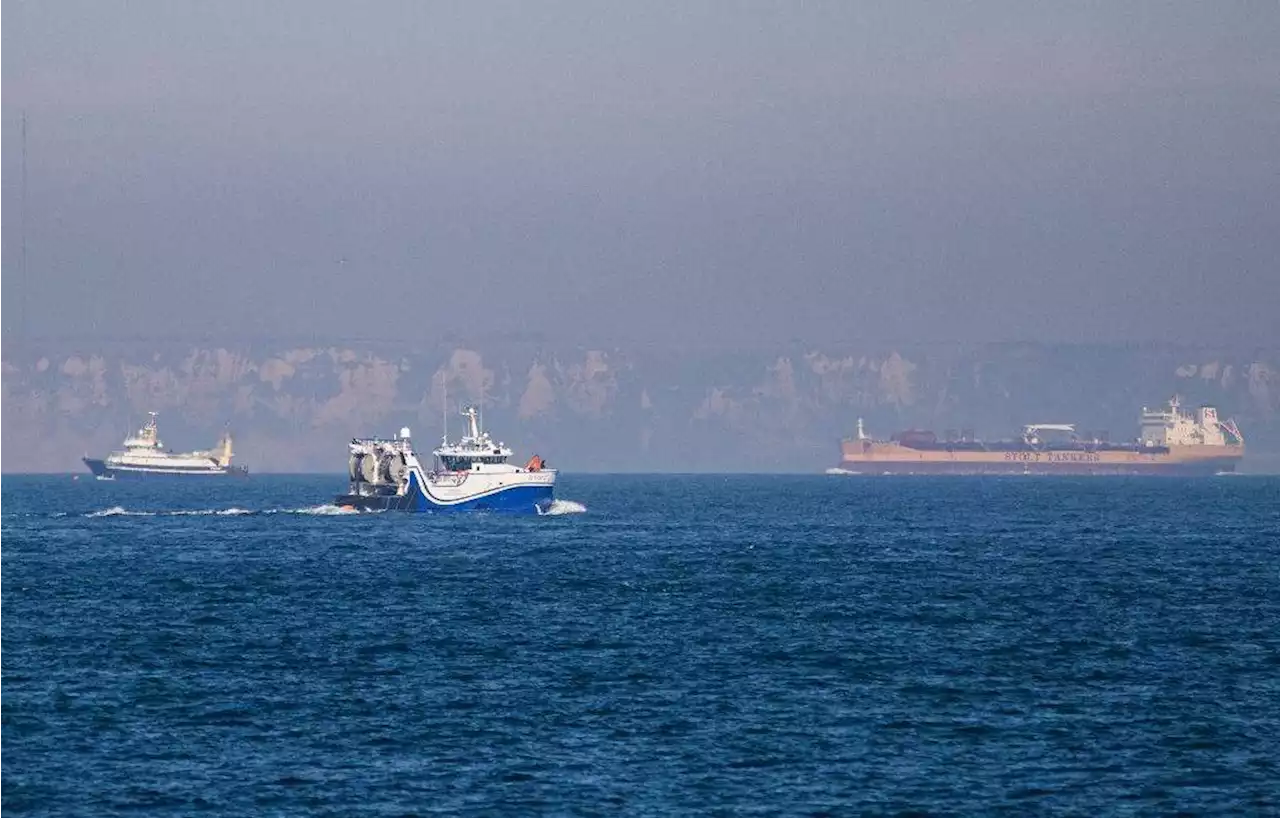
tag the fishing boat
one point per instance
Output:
(144, 455)
(469, 474)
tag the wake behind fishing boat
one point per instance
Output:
(470, 475)
(145, 456)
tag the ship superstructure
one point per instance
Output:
(470, 474)
(1172, 427)
(1170, 441)
(144, 455)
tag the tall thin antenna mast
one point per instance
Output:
(444, 408)
(22, 304)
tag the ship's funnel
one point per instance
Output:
(223, 451)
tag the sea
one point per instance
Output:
(657, 645)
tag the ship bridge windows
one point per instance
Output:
(457, 463)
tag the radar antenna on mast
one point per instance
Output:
(444, 408)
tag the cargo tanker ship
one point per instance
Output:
(1170, 442)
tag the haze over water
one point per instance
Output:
(724, 172)
(693, 236)
(641, 221)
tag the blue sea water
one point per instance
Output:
(682, 645)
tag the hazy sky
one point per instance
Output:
(738, 172)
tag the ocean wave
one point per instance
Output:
(324, 510)
(120, 511)
(559, 507)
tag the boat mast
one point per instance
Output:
(444, 410)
